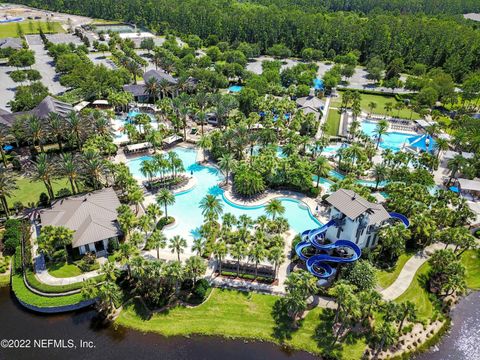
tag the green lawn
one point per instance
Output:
(35, 283)
(29, 191)
(25, 295)
(418, 294)
(4, 279)
(333, 122)
(471, 261)
(386, 278)
(380, 100)
(61, 270)
(235, 314)
(10, 29)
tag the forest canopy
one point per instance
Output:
(436, 41)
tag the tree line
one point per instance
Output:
(434, 41)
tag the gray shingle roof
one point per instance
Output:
(353, 205)
(135, 90)
(159, 75)
(92, 216)
(310, 101)
(50, 104)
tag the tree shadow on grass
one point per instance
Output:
(284, 325)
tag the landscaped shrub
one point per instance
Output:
(88, 262)
(11, 236)
(43, 200)
(201, 288)
(64, 192)
(165, 221)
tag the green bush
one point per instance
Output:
(11, 236)
(201, 289)
(165, 221)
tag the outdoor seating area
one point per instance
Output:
(138, 148)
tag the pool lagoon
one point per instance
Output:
(119, 122)
(393, 140)
(235, 88)
(189, 216)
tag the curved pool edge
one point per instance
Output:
(226, 196)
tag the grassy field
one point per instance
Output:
(35, 283)
(471, 261)
(380, 100)
(235, 314)
(386, 278)
(333, 122)
(28, 27)
(29, 191)
(28, 297)
(418, 294)
(4, 279)
(61, 270)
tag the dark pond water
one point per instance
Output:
(463, 340)
(116, 344)
(462, 343)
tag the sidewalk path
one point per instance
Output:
(407, 274)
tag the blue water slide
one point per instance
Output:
(318, 264)
(400, 217)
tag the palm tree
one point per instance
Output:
(257, 253)
(321, 168)
(407, 311)
(388, 107)
(56, 126)
(157, 240)
(399, 106)
(211, 207)
(7, 186)
(35, 130)
(94, 166)
(220, 250)
(205, 143)
(456, 164)
(151, 88)
(164, 87)
(379, 172)
(276, 256)
(226, 163)
(202, 119)
(177, 245)
(45, 171)
(154, 211)
(380, 129)
(165, 198)
(69, 168)
(372, 106)
(238, 251)
(5, 138)
(441, 145)
(134, 69)
(198, 246)
(195, 267)
(125, 252)
(274, 208)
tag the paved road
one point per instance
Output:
(44, 64)
(7, 87)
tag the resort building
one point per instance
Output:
(92, 216)
(42, 110)
(358, 220)
(311, 105)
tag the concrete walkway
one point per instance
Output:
(407, 274)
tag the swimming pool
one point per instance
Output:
(186, 209)
(318, 84)
(391, 140)
(235, 88)
(118, 124)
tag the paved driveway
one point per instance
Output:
(44, 64)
